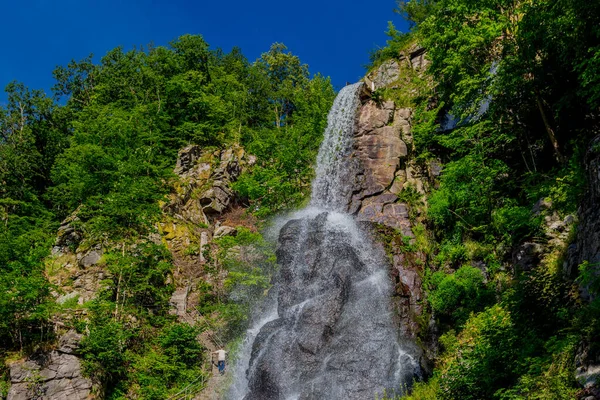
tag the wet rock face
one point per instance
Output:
(587, 372)
(334, 337)
(51, 376)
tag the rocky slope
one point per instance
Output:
(201, 208)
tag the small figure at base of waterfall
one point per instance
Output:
(220, 360)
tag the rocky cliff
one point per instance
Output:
(384, 173)
(54, 375)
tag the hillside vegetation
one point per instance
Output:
(104, 146)
(509, 104)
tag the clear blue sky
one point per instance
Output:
(331, 36)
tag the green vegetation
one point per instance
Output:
(103, 149)
(300, 105)
(133, 357)
(250, 262)
(519, 80)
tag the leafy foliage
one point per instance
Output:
(480, 359)
(507, 105)
(103, 149)
(459, 293)
(250, 262)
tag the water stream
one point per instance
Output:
(327, 329)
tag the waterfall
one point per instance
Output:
(327, 328)
(329, 190)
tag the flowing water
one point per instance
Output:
(329, 188)
(326, 330)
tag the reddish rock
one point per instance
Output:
(372, 117)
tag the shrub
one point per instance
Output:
(456, 295)
(481, 360)
(179, 342)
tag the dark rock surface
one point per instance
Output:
(587, 243)
(587, 372)
(527, 256)
(68, 235)
(334, 337)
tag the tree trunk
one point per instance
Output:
(559, 157)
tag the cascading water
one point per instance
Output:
(328, 189)
(327, 329)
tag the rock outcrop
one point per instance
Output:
(205, 182)
(193, 214)
(586, 247)
(77, 266)
(68, 236)
(380, 174)
(388, 73)
(555, 239)
(56, 375)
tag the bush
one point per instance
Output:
(179, 342)
(458, 294)
(104, 349)
(481, 361)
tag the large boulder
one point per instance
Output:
(334, 336)
(56, 375)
